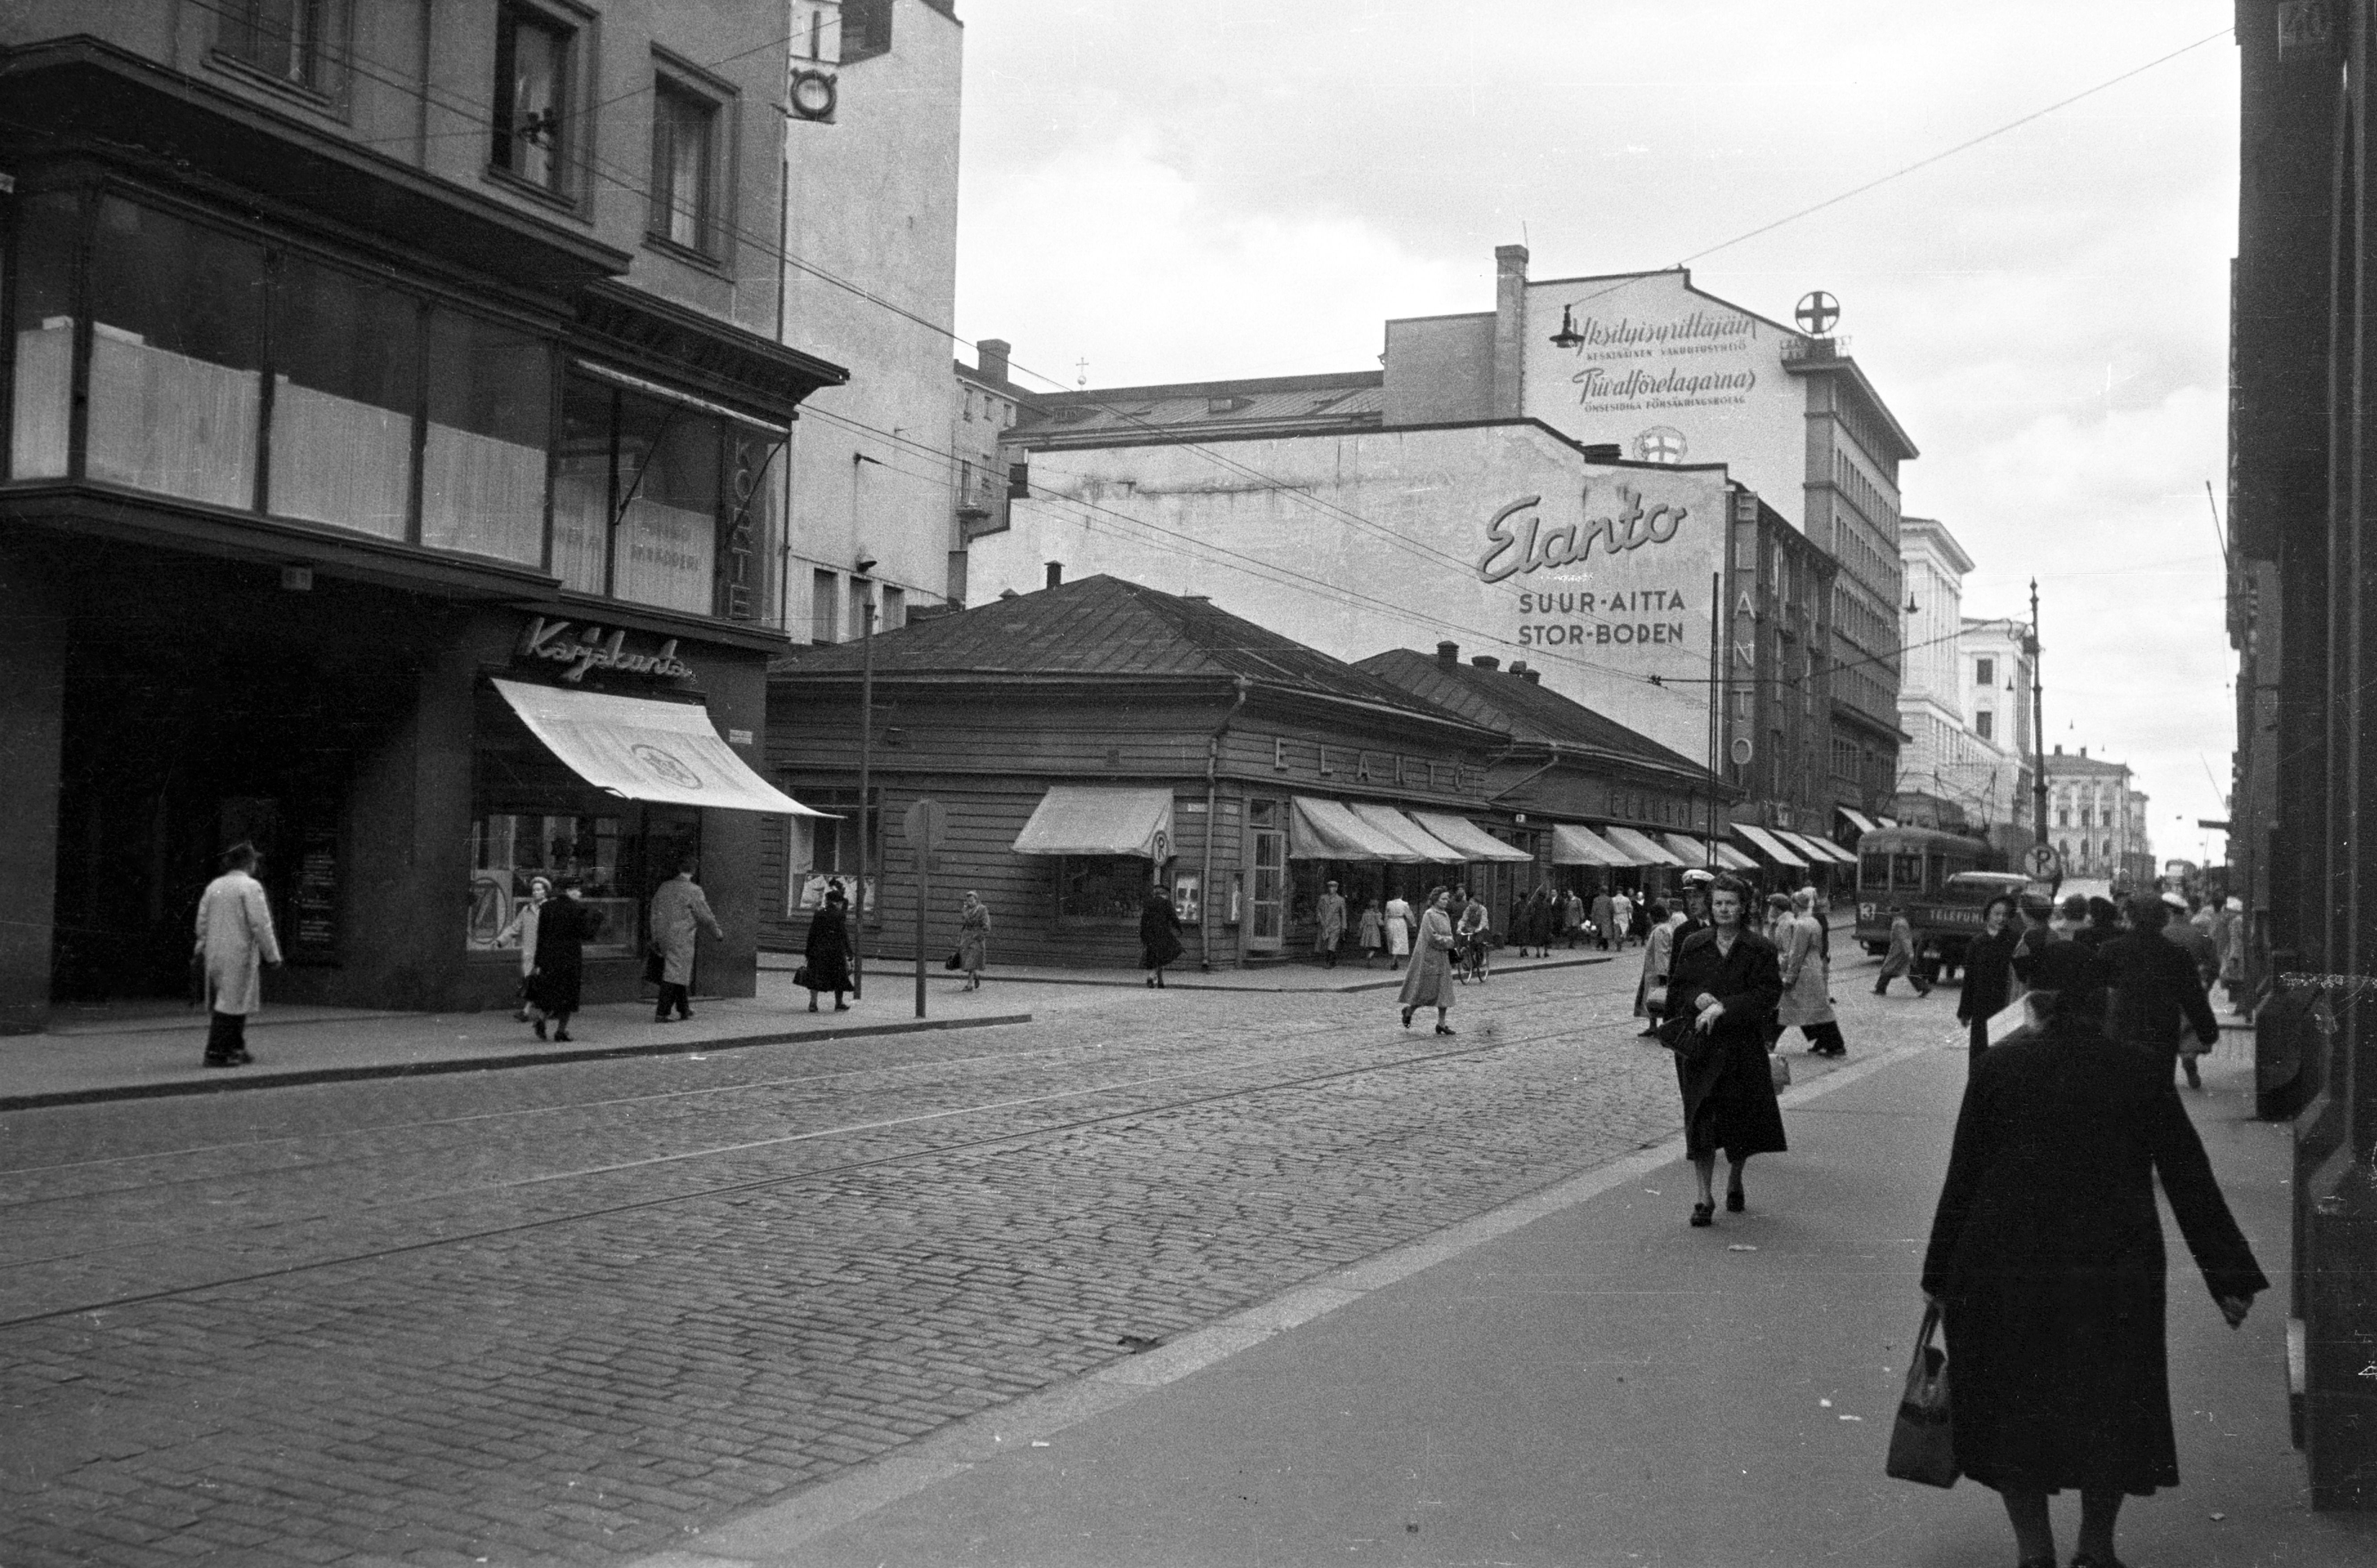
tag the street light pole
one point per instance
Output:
(866, 755)
(2037, 726)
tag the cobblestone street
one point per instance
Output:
(568, 1314)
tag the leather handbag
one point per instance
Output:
(1922, 1440)
(801, 978)
(952, 962)
(655, 966)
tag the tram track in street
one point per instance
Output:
(1498, 1039)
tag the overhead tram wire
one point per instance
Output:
(774, 248)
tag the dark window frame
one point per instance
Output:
(325, 75)
(674, 81)
(563, 122)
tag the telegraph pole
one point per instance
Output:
(2037, 726)
(866, 738)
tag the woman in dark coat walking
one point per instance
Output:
(1159, 936)
(2047, 1260)
(1988, 985)
(828, 950)
(1722, 992)
(563, 925)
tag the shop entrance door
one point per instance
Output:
(671, 834)
(1267, 895)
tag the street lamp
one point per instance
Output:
(2037, 723)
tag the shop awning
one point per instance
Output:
(1819, 850)
(1092, 819)
(1641, 848)
(1691, 852)
(1574, 846)
(1766, 843)
(1473, 841)
(1394, 824)
(642, 749)
(1328, 830)
(1886, 820)
(1857, 819)
(1733, 860)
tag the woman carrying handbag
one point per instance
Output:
(1722, 992)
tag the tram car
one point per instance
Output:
(1942, 881)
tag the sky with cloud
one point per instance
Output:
(1173, 193)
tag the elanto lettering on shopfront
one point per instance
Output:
(590, 649)
(1529, 546)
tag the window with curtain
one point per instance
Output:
(483, 456)
(582, 486)
(684, 158)
(176, 359)
(530, 120)
(346, 380)
(665, 549)
(42, 403)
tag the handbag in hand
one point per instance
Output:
(801, 978)
(655, 966)
(1922, 1440)
(951, 962)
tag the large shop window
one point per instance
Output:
(665, 549)
(509, 849)
(176, 356)
(1101, 887)
(823, 850)
(43, 330)
(346, 380)
(482, 459)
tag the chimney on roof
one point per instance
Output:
(1604, 452)
(1509, 329)
(1485, 662)
(1198, 598)
(1056, 573)
(1448, 654)
(1519, 668)
(990, 358)
(2083, 751)
(2059, 748)
(1535, 677)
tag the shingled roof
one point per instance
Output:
(1521, 708)
(1104, 626)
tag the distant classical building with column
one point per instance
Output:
(2096, 822)
(1966, 732)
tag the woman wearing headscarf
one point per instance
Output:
(1159, 935)
(521, 928)
(563, 925)
(1428, 982)
(973, 939)
(1988, 978)
(1721, 997)
(1807, 1003)
(1658, 954)
(827, 949)
(2046, 1262)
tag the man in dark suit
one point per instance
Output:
(2156, 989)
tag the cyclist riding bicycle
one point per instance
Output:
(1476, 939)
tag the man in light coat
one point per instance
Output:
(679, 914)
(1331, 910)
(234, 941)
(1621, 918)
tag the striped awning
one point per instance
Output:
(1824, 849)
(1733, 860)
(1644, 851)
(1691, 852)
(1575, 846)
(1471, 840)
(1766, 843)
(1391, 824)
(1857, 819)
(1328, 830)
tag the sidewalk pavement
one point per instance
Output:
(1579, 1378)
(139, 1053)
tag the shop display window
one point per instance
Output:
(176, 356)
(1101, 888)
(582, 486)
(346, 377)
(666, 552)
(508, 848)
(45, 337)
(482, 459)
(824, 850)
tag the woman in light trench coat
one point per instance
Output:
(1807, 980)
(234, 941)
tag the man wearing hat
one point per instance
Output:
(2192, 939)
(2156, 989)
